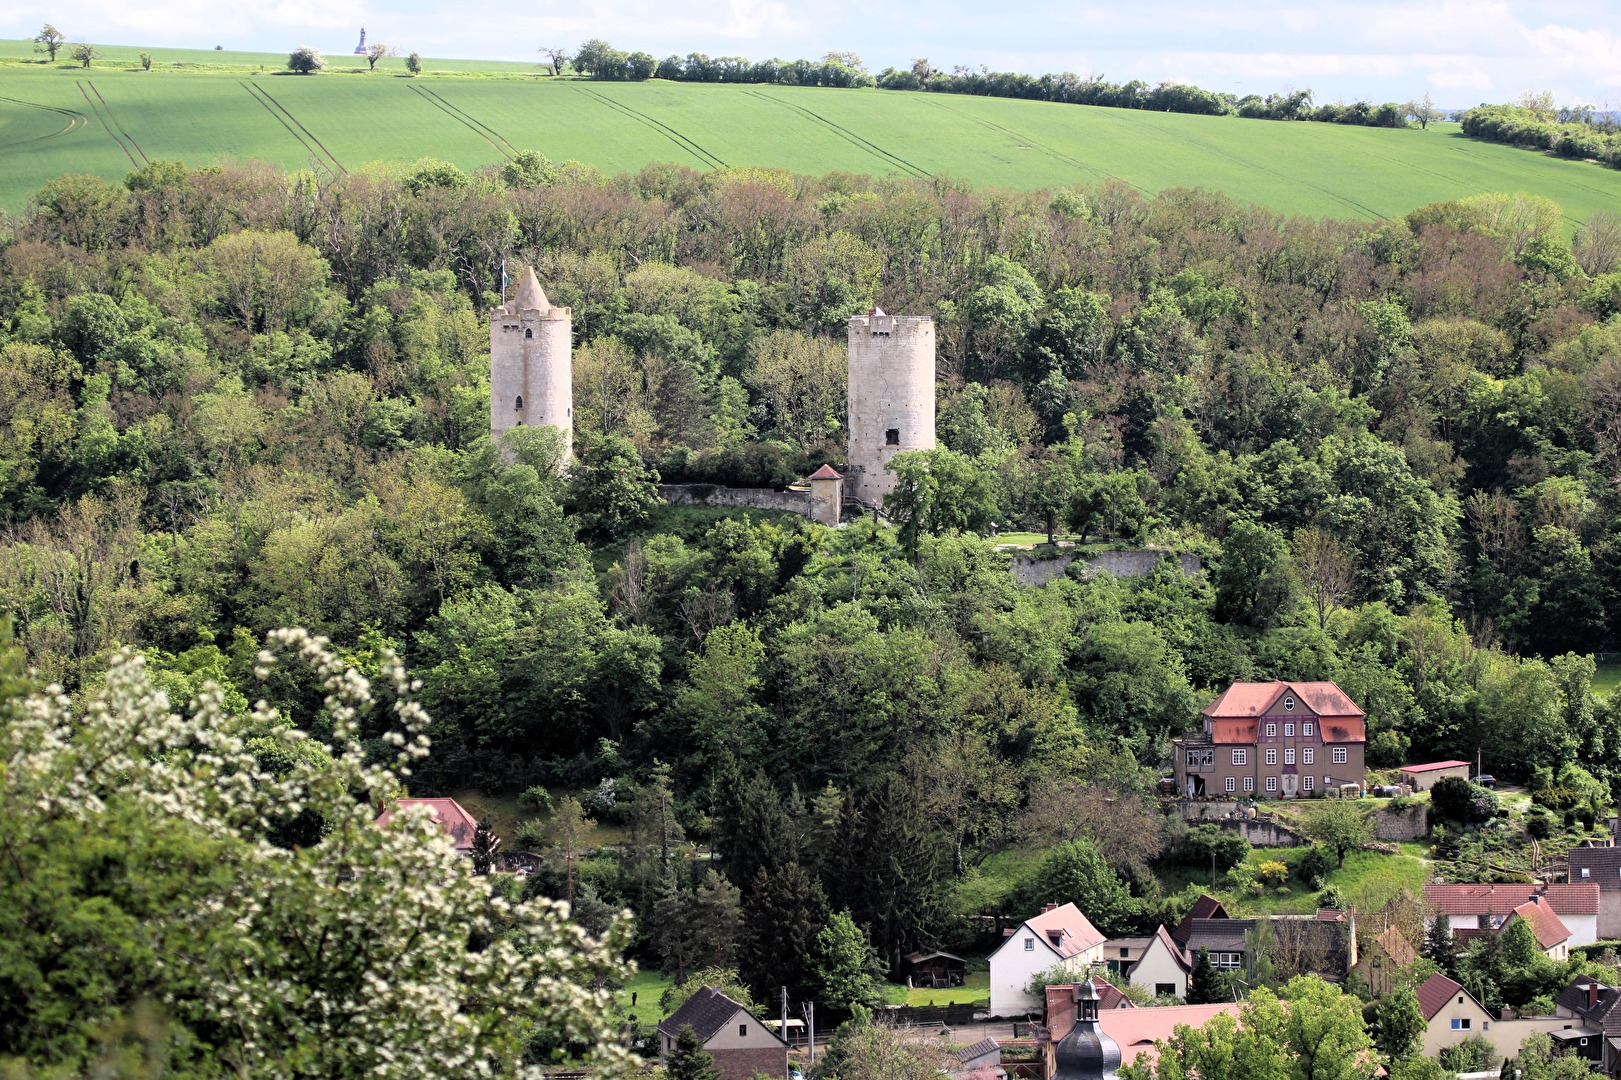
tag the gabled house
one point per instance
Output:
(1275, 740)
(1324, 943)
(1451, 1014)
(1060, 935)
(981, 1058)
(1597, 1035)
(1206, 907)
(1600, 865)
(1553, 936)
(1163, 968)
(1485, 907)
(1386, 958)
(454, 821)
(738, 1041)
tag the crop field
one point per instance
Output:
(199, 107)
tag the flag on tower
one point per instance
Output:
(503, 282)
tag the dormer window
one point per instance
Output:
(1056, 937)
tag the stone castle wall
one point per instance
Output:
(1031, 570)
(791, 501)
(891, 396)
(531, 359)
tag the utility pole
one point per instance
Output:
(783, 1031)
(810, 1028)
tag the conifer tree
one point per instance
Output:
(1438, 944)
(1204, 987)
(689, 1062)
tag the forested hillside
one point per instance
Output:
(231, 400)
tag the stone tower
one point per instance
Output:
(531, 363)
(360, 50)
(891, 397)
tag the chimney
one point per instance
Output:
(1536, 898)
(1592, 994)
(1049, 907)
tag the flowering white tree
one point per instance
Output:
(140, 872)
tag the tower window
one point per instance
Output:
(892, 437)
(518, 404)
(528, 333)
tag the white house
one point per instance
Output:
(1163, 967)
(1487, 907)
(1059, 935)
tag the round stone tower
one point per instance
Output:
(891, 397)
(531, 363)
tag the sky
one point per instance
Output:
(1461, 52)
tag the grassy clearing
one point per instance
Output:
(201, 111)
(1367, 879)
(1607, 678)
(647, 986)
(976, 988)
(505, 813)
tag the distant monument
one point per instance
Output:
(360, 50)
(891, 397)
(531, 363)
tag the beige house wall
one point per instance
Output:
(1158, 966)
(1504, 1035)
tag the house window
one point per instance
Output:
(1271, 731)
(1288, 704)
(1288, 731)
(1272, 783)
(1228, 959)
(1460, 1024)
(1309, 757)
(518, 403)
(1029, 944)
(1309, 783)
(1271, 755)
(1249, 783)
(892, 437)
(1339, 755)
(1125, 953)
(1232, 784)
(1169, 990)
(742, 1030)
(1586, 872)
(1305, 729)
(1289, 756)
(1241, 757)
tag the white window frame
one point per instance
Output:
(1288, 731)
(1305, 729)
(1309, 783)
(1460, 1023)
(1249, 783)
(1288, 704)
(1272, 783)
(1341, 755)
(1587, 872)
(1289, 755)
(1309, 753)
(1232, 783)
(1271, 755)
(1029, 944)
(1241, 756)
(1272, 731)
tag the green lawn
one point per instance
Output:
(1367, 879)
(976, 988)
(1606, 679)
(647, 986)
(56, 119)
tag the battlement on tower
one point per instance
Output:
(877, 324)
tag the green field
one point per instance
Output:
(61, 118)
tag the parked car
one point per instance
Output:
(1486, 780)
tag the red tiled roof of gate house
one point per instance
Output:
(1235, 713)
(453, 820)
(1435, 993)
(826, 472)
(1206, 907)
(1545, 924)
(1576, 898)
(1075, 931)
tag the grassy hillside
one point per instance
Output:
(60, 118)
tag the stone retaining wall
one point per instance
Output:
(1029, 569)
(791, 501)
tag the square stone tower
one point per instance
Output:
(891, 397)
(531, 363)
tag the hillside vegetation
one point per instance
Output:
(113, 117)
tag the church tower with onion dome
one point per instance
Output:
(531, 363)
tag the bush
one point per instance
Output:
(1456, 799)
(1196, 846)
(1315, 865)
(413, 64)
(536, 797)
(1539, 825)
(1273, 872)
(305, 60)
(1474, 1054)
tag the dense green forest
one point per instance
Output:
(233, 400)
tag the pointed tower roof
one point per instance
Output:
(530, 295)
(826, 472)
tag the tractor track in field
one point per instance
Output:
(893, 160)
(1025, 140)
(106, 126)
(113, 117)
(75, 121)
(1286, 177)
(467, 120)
(307, 139)
(691, 147)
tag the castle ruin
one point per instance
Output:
(531, 363)
(891, 398)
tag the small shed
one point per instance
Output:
(935, 970)
(1423, 777)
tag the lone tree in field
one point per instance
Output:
(84, 54)
(305, 60)
(1424, 111)
(376, 51)
(49, 40)
(413, 64)
(556, 58)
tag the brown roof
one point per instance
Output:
(706, 1012)
(1434, 765)
(1074, 931)
(1545, 924)
(980, 1049)
(826, 472)
(1435, 993)
(1576, 898)
(452, 819)
(1604, 864)
(1169, 942)
(1206, 907)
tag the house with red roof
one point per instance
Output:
(1475, 907)
(453, 820)
(1274, 740)
(1060, 935)
(1453, 1015)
